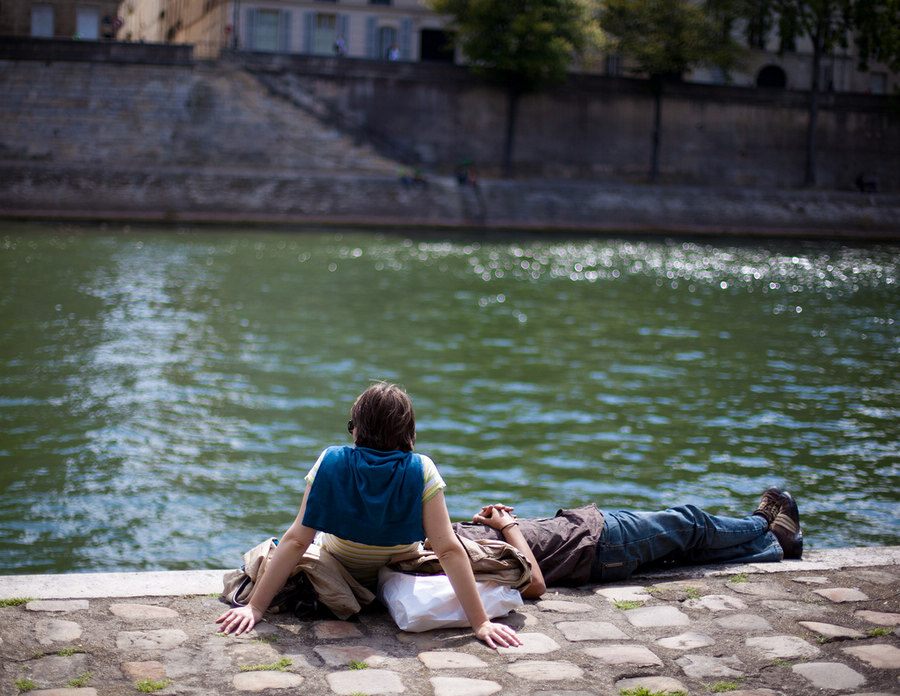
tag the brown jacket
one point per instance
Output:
(491, 559)
(334, 585)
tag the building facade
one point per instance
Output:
(90, 20)
(769, 66)
(374, 29)
(377, 29)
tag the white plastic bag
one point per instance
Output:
(425, 602)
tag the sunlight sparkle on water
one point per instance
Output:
(748, 268)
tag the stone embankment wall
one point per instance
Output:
(596, 127)
(216, 142)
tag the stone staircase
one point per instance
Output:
(206, 116)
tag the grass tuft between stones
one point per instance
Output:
(24, 685)
(15, 601)
(149, 686)
(79, 681)
(875, 632)
(280, 666)
(358, 664)
(643, 691)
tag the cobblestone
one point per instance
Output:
(827, 630)
(60, 605)
(843, 594)
(830, 675)
(49, 631)
(575, 631)
(142, 611)
(539, 670)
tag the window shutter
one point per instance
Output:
(343, 27)
(406, 38)
(284, 32)
(309, 19)
(372, 37)
(250, 29)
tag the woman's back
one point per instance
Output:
(368, 504)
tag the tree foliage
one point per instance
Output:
(666, 38)
(872, 25)
(876, 27)
(525, 45)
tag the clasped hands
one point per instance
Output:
(495, 516)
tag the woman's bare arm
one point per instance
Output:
(288, 553)
(455, 562)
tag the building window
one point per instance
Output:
(614, 65)
(387, 41)
(827, 78)
(268, 30)
(42, 20)
(436, 45)
(717, 75)
(877, 83)
(325, 34)
(379, 2)
(87, 23)
(266, 36)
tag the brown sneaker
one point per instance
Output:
(770, 505)
(786, 528)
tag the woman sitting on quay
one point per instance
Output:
(370, 502)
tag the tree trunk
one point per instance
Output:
(809, 178)
(656, 84)
(512, 109)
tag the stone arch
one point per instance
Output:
(771, 76)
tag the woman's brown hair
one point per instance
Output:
(382, 418)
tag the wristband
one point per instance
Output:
(505, 527)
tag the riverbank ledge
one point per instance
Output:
(827, 624)
(202, 196)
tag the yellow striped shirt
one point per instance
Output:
(364, 560)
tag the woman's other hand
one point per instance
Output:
(497, 635)
(238, 620)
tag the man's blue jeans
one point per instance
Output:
(680, 535)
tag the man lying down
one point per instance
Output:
(586, 545)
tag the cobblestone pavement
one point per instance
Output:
(826, 625)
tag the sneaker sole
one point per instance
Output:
(796, 546)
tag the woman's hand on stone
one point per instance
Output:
(497, 635)
(238, 620)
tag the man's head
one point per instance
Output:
(382, 418)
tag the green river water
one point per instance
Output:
(163, 392)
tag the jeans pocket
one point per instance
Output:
(615, 570)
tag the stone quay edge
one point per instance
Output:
(829, 624)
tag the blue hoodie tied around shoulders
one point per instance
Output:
(368, 496)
